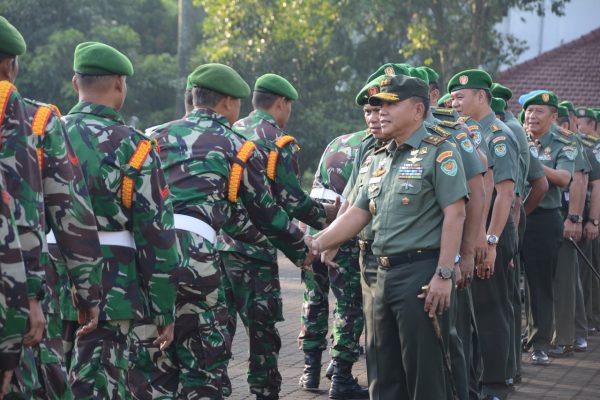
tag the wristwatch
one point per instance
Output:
(492, 239)
(576, 219)
(595, 222)
(457, 259)
(445, 273)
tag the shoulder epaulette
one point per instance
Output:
(450, 124)
(495, 128)
(565, 132)
(434, 140)
(443, 111)
(237, 169)
(38, 103)
(6, 89)
(274, 155)
(563, 139)
(587, 143)
(136, 161)
(367, 136)
(439, 130)
(591, 138)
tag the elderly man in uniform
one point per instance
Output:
(415, 197)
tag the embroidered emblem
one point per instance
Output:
(500, 150)
(443, 156)
(449, 167)
(467, 146)
(463, 79)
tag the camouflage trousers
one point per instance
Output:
(41, 373)
(100, 362)
(348, 318)
(253, 291)
(153, 373)
(195, 365)
(69, 328)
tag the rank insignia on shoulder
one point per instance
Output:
(565, 132)
(444, 111)
(434, 140)
(564, 140)
(450, 124)
(496, 128)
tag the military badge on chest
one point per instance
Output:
(546, 155)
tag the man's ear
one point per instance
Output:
(75, 84)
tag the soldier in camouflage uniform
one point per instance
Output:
(22, 193)
(69, 215)
(210, 169)
(250, 271)
(134, 219)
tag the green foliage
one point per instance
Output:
(326, 48)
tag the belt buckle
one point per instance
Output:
(384, 262)
(362, 245)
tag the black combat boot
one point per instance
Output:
(329, 371)
(312, 371)
(343, 384)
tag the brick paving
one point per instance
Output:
(577, 377)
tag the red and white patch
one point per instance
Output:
(463, 79)
(373, 91)
(389, 71)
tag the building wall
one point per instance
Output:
(550, 31)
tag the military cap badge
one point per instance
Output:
(463, 79)
(545, 97)
(373, 91)
(389, 71)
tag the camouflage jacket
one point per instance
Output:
(18, 163)
(17, 160)
(198, 154)
(284, 177)
(128, 191)
(68, 211)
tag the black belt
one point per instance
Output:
(365, 245)
(543, 211)
(407, 257)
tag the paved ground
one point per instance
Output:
(577, 377)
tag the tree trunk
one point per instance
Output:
(185, 43)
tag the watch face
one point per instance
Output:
(445, 272)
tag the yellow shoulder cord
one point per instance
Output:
(136, 161)
(274, 155)
(237, 169)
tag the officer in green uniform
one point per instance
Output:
(368, 262)
(445, 101)
(415, 197)
(531, 172)
(134, 218)
(543, 234)
(565, 280)
(498, 106)
(472, 242)
(471, 93)
(587, 124)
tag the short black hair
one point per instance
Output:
(5, 56)
(425, 102)
(433, 85)
(563, 120)
(89, 81)
(188, 98)
(206, 97)
(264, 100)
(488, 95)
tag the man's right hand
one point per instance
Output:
(467, 267)
(6, 378)
(590, 231)
(88, 319)
(331, 210)
(480, 248)
(37, 324)
(486, 270)
(165, 336)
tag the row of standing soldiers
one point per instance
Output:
(126, 256)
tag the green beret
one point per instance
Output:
(419, 73)
(432, 76)
(94, 58)
(470, 79)
(220, 78)
(563, 112)
(501, 91)
(521, 116)
(545, 98)
(369, 90)
(188, 83)
(390, 69)
(11, 40)
(398, 88)
(276, 84)
(569, 106)
(445, 98)
(498, 105)
(583, 112)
